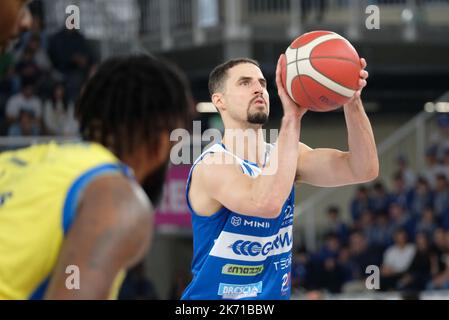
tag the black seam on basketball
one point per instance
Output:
(300, 82)
(314, 48)
(308, 97)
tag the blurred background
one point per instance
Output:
(400, 222)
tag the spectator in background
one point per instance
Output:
(440, 279)
(380, 199)
(36, 30)
(24, 101)
(401, 219)
(433, 167)
(419, 272)
(441, 197)
(330, 250)
(360, 203)
(336, 226)
(137, 286)
(332, 275)
(366, 224)
(27, 69)
(380, 236)
(26, 125)
(300, 265)
(445, 163)
(421, 197)
(71, 55)
(59, 113)
(445, 221)
(400, 194)
(438, 241)
(427, 223)
(438, 246)
(440, 138)
(407, 173)
(397, 259)
(40, 55)
(360, 256)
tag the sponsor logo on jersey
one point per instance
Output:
(236, 221)
(285, 288)
(289, 214)
(283, 263)
(250, 248)
(239, 291)
(256, 224)
(241, 270)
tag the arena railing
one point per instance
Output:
(128, 25)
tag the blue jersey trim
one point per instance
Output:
(248, 168)
(39, 293)
(223, 209)
(79, 185)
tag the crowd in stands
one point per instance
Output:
(41, 79)
(404, 230)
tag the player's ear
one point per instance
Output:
(218, 101)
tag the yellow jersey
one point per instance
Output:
(39, 190)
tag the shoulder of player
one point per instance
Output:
(216, 165)
(116, 199)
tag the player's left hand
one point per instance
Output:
(362, 81)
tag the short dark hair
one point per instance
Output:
(130, 100)
(218, 75)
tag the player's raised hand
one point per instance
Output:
(290, 107)
(362, 81)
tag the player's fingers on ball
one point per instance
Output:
(364, 74)
(363, 62)
(362, 83)
(278, 75)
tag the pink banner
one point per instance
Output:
(173, 210)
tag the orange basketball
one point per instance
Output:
(321, 70)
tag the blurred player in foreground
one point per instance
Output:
(79, 209)
(15, 17)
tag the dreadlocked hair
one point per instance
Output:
(131, 100)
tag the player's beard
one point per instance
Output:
(256, 117)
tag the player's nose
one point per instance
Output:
(258, 88)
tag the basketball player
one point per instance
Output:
(242, 210)
(73, 216)
(15, 18)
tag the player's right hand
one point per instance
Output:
(291, 108)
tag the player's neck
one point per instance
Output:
(248, 144)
